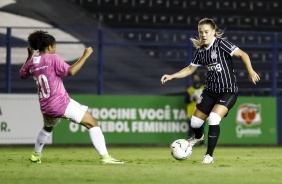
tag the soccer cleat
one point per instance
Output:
(193, 140)
(107, 159)
(207, 159)
(35, 157)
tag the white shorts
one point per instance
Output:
(74, 113)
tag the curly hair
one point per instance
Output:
(39, 40)
(197, 42)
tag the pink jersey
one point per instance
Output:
(47, 70)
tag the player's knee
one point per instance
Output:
(214, 119)
(196, 122)
(89, 122)
(87, 125)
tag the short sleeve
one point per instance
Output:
(61, 67)
(228, 47)
(196, 59)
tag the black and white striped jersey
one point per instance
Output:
(217, 58)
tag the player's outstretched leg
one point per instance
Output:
(35, 157)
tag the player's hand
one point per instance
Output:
(30, 51)
(254, 77)
(87, 52)
(165, 78)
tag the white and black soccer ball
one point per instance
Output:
(181, 149)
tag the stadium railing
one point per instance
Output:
(165, 46)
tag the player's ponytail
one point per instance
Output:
(39, 40)
(218, 32)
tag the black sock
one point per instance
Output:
(198, 132)
(214, 131)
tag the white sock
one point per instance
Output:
(41, 140)
(98, 140)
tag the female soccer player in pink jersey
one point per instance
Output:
(47, 69)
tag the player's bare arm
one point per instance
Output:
(181, 74)
(254, 77)
(30, 53)
(80, 62)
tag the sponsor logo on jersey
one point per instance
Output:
(214, 67)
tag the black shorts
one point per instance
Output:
(208, 101)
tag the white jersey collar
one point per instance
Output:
(207, 48)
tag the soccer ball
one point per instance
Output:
(181, 149)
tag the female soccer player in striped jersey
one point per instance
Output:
(47, 69)
(220, 93)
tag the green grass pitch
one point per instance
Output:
(76, 165)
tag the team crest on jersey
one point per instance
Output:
(213, 54)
